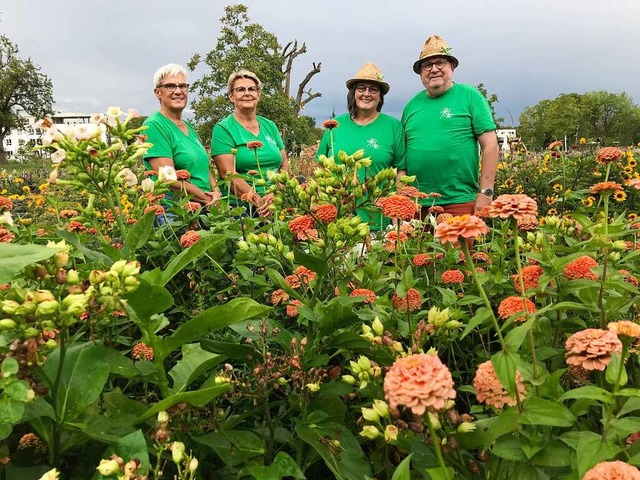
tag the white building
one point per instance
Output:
(505, 135)
(30, 135)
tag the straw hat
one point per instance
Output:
(435, 46)
(369, 73)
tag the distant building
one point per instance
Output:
(29, 135)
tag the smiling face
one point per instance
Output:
(244, 94)
(367, 96)
(436, 74)
(172, 101)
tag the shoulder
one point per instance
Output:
(153, 119)
(416, 100)
(466, 89)
(389, 120)
(263, 121)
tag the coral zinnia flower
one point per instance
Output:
(189, 239)
(5, 204)
(412, 192)
(279, 296)
(452, 276)
(301, 225)
(391, 239)
(183, 174)
(330, 124)
(398, 206)
(616, 470)
(512, 205)
(512, 305)
(423, 259)
(556, 144)
(419, 382)
(305, 275)
(140, 351)
(292, 280)
(481, 257)
(605, 188)
(608, 154)
(158, 209)
(412, 301)
(364, 292)
(592, 348)
(6, 236)
(629, 278)
(465, 226)
(70, 213)
(326, 213)
(192, 206)
(625, 328)
(489, 389)
(580, 268)
(436, 210)
(292, 308)
(254, 145)
(634, 182)
(443, 217)
(530, 276)
(528, 223)
(75, 226)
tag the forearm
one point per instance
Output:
(189, 189)
(488, 167)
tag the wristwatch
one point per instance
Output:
(487, 191)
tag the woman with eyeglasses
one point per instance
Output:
(175, 141)
(366, 127)
(248, 144)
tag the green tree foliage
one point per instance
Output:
(23, 88)
(611, 118)
(242, 44)
(492, 99)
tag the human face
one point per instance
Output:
(436, 80)
(244, 94)
(173, 101)
(368, 100)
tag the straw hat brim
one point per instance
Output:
(384, 86)
(417, 66)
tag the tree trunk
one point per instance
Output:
(289, 56)
(3, 154)
(300, 103)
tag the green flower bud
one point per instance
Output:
(407, 179)
(163, 417)
(355, 368)
(466, 427)
(10, 306)
(60, 259)
(31, 332)
(370, 432)
(370, 415)
(381, 408)
(453, 325)
(43, 296)
(118, 266)
(313, 387)
(243, 246)
(358, 155)
(130, 269)
(7, 324)
(108, 467)
(435, 421)
(619, 245)
(390, 433)
(72, 278)
(193, 464)
(614, 256)
(349, 379)
(290, 256)
(97, 276)
(378, 327)
(364, 363)
(47, 308)
(177, 451)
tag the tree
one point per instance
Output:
(491, 99)
(242, 44)
(23, 89)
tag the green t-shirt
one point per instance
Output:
(228, 134)
(382, 140)
(442, 146)
(186, 151)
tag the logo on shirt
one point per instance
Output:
(269, 139)
(373, 143)
(446, 113)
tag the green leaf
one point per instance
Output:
(195, 361)
(212, 319)
(555, 454)
(631, 405)
(482, 315)
(129, 447)
(505, 363)
(591, 392)
(538, 411)
(316, 264)
(191, 254)
(197, 398)
(592, 450)
(495, 427)
(74, 239)
(403, 471)
(115, 402)
(620, 428)
(234, 447)
(509, 449)
(516, 336)
(282, 466)
(339, 312)
(347, 462)
(84, 375)
(350, 341)
(15, 257)
(138, 235)
(18, 390)
(440, 473)
(149, 299)
(10, 410)
(616, 371)
(9, 366)
(5, 430)
(234, 351)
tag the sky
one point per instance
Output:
(102, 53)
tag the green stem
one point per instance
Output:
(436, 442)
(55, 448)
(117, 215)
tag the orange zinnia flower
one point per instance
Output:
(436, 210)
(140, 351)
(301, 225)
(608, 154)
(189, 238)
(364, 292)
(158, 209)
(531, 277)
(5, 204)
(605, 188)
(443, 217)
(625, 328)
(412, 192)
(330, 124)
(592, 348)
(580, 268)
(629, 278)
(398, 206)
(391, 239)
(422, 259)
(70, 213)
(489, 389)
(192, 207)
(512, 305)
(326, 213)
(306, 276)
(279, 296)
(6, 236)
(465, 226)
(419, 382)
(183, 174)
(616, 470)
(292, 308)
(412, 301)
(528, 223)
(452, 276)
(254, 145)
(517, 206)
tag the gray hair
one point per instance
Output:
(172, 69)
(242, 74)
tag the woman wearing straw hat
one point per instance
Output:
(366, 127)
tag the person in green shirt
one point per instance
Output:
(247, 143)
(366, 127)
(443, 126)
(175, 141)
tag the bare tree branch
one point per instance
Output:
(299, 102)
(289, 55)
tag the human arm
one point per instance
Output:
(488, 164)
(184, 186)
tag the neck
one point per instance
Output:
(440, 91)
(364, 117)
(174, 115)
(245, 116)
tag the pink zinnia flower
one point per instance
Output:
(418, 382)
(465, 226)
(189, 238)
(412, 301)
(592, 348)
(512, 205)
(452, 276)
(616, 470)
(489, 389)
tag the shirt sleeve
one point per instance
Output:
(221, 140)
(323, 148)
(399, 148)
(161, 142)
(482, 118)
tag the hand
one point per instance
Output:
(212, 197)
(482, 200)
(263, 205)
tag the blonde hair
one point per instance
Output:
(242, 74)
(171, 69)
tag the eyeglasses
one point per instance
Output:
(243, 90)
(373, 89)
(438, 63)
(171, 87)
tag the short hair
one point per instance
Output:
(351, 100)
(242, 74)
(172, 69)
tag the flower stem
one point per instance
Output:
(436, 442)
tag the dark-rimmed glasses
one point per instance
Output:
(243, 90)
(426, 66)
(373, 89)
(171, 87)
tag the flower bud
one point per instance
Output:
(118, 266)
(193, 464)
(97, 276)
(177, 451)
(163, 417)
(47, 308)
(108, 467)
(377, 326)
(381, 408)
(370, 432)
(290, 256)
(370, 415)
(435, 421)
(7, 324)
(244, 246)
(60, 259)
(10, 306)
(466, 427)
(364, 363)
(358, 155)
(31, 332)
(619, 245)
(43, 296)
(390, 433)
(72, 277)
(350, 379)
(313, 387)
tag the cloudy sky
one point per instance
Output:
(101, 53)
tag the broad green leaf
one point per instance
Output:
(38, 408)
(129, 447)
(440, 473)
(350, 341)
(115, 402)
(590, 391)
(631, 405)
(9, 366)
(84, 375)
(283, 466)
(538, 411)
(5, 430)
(234, 447)
(339, 312)
(18, 390)
(620, 428)
(592, 450)
(403, 471)
(138, 235)
(15, 257)
(496, 427)
(212, 319)
(233, 351)
(616, 372)
(505, 363)
(316, 264)
(104, 429)
(194, 362)
(509, 449)
(197, 398)
(99, 258)
(149, 299)
(516, 336)
(11, 410)
(554, 454)
(482, 315)
(191, 254)
(347, 462)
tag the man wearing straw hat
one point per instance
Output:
(443, 126)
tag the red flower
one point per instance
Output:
(75, 226)
(364, 292)
(5, 204)
(398, 206)
(452, 276)
(254, 145)
(6, 236)
(608, 154)
(140, 351)
(512, 305)
(189, 238)
(412, 301)
(330, 124)
(183, 174)
(326, 213)
(580, 268)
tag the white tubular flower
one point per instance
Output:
(97, 119)
(167, 173)
(148, 185)
(86, 131)
(114, 111)
(128, 176)
(6, 218)
(58, 156)
(177, 451)
(133, 113)
(52, 474)
(108, 467)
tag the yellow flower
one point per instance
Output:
(557, 187)
(19, 180)
(546, 157)
(552, 211)
(26, 189)
(502, 165)
(583, 141)
(518, 189)
(631, 217)
(620, 196)
(631, 162)
(508, 183)
(628, 169)
(596, 173)
(43, 187)
(552, 200)
(588, 202)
